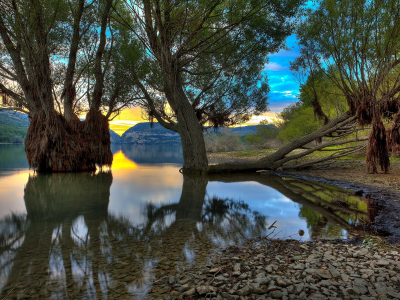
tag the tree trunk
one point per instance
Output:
(194, 149)
(278, 158)
(54, 145)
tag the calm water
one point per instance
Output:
(112, 233)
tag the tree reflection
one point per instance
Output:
(68, 245)
(327, 209)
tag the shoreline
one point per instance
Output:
(264, 269)
(274, 269)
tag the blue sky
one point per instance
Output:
(283, 87)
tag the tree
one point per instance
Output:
(60, 60)
(264, 132)
(358, 49)
(206, 60)
(319, 99)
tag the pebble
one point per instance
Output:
(311, 270)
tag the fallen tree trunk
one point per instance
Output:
(277, 159)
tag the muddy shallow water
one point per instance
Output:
(112, 233)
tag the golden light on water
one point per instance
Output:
(120, 161)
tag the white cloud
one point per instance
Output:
(273, 66)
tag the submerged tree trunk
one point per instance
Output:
(54, 145)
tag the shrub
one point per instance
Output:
(224, 140)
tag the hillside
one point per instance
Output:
(13, 127)
(143, 134)
(115, 138)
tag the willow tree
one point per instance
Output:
(205, 61)
(58, 63)
(356, 44)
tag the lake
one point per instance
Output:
(111, 233)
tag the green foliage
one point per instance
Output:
(264, 132)
(13, 127)
(10, 134)
(217, 51)
(299, 119)
(301, 122)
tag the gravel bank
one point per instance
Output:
(289, 270)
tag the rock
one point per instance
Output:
(335, 273)
(237, 273)
(298, 288)
(225, 295)
(268, 269)
(382, 262)
(394, 294)
(260, 275)
(244, 291)
(360, 253)
(344, 276)
(281, 282)
(183, 288)
(299, 267)
(320, 272)
(243, 276)
(215, 270)
(171, 280)
(361, 282)
(276, 294)
(221, 278)
(317, 296)
(262, 281)
(236, 267)
(353, 291)
(189, 292)
(202, 290)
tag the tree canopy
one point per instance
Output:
(206, 60)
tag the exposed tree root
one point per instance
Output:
(54, 145)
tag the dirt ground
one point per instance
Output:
(384, 189)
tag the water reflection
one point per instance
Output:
(68, 245)
(110, 235)
(329, 211)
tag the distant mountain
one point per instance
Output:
(115, 138)
(143, 134)
(244, 130)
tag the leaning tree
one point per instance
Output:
(60, 60)
(358, 50)
(205, 61)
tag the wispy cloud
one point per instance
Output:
(273, 66)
